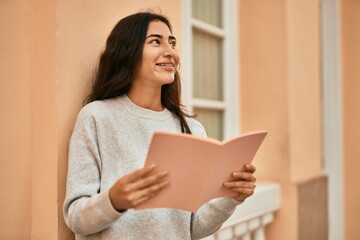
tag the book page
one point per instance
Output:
(234, 155)
(188, 160)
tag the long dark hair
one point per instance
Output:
(120, 59)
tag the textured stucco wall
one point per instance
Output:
(280, 92)
(351, 105)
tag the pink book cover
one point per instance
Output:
(197, 167)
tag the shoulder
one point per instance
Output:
(196, 127)
(94, 113)
(97, 109)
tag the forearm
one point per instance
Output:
(210, 217)
(90, 215)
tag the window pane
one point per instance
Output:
(207, 66)
(212, 121)
(208, 11)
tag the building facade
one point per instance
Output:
(287, 66)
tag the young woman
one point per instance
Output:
(136, 91)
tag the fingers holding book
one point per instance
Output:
(136, 187)
(244, 182)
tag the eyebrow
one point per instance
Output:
(160, 36)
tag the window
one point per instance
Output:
(209, 64)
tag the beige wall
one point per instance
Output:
(351, 107)
(280, 92)
(44, 120)
(264, 99)
(303, 88)
(15, 121)
(28, 122)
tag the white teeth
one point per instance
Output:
(165, 64)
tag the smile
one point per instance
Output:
(165, 64)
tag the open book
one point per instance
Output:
(197, 167)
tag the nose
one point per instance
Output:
(169, 51)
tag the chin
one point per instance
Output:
(168, 80)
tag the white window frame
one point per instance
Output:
(231, 90)
(332, 115)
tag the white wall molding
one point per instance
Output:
(332, 115)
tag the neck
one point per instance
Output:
(148, 98)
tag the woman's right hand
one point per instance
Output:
(136, 187)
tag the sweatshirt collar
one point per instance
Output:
(136, 110)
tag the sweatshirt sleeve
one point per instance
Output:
(210, 217)
(87, 208)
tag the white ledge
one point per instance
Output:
(266, 199)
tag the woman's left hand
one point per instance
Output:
(244, 183)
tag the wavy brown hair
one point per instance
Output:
(120, 59)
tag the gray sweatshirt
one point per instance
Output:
(111, 139)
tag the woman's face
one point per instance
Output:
(159, 58)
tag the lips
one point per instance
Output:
(165, 64)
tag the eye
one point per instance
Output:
(155, 41)
(173, 43)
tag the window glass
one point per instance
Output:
(209, 11)
(212, 121)
(207, 66)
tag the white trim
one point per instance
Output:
(208, 104)
(251, 218)
(266, 198)
(186, 62)
(332, 115)
(230, 70)
(208, 28)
